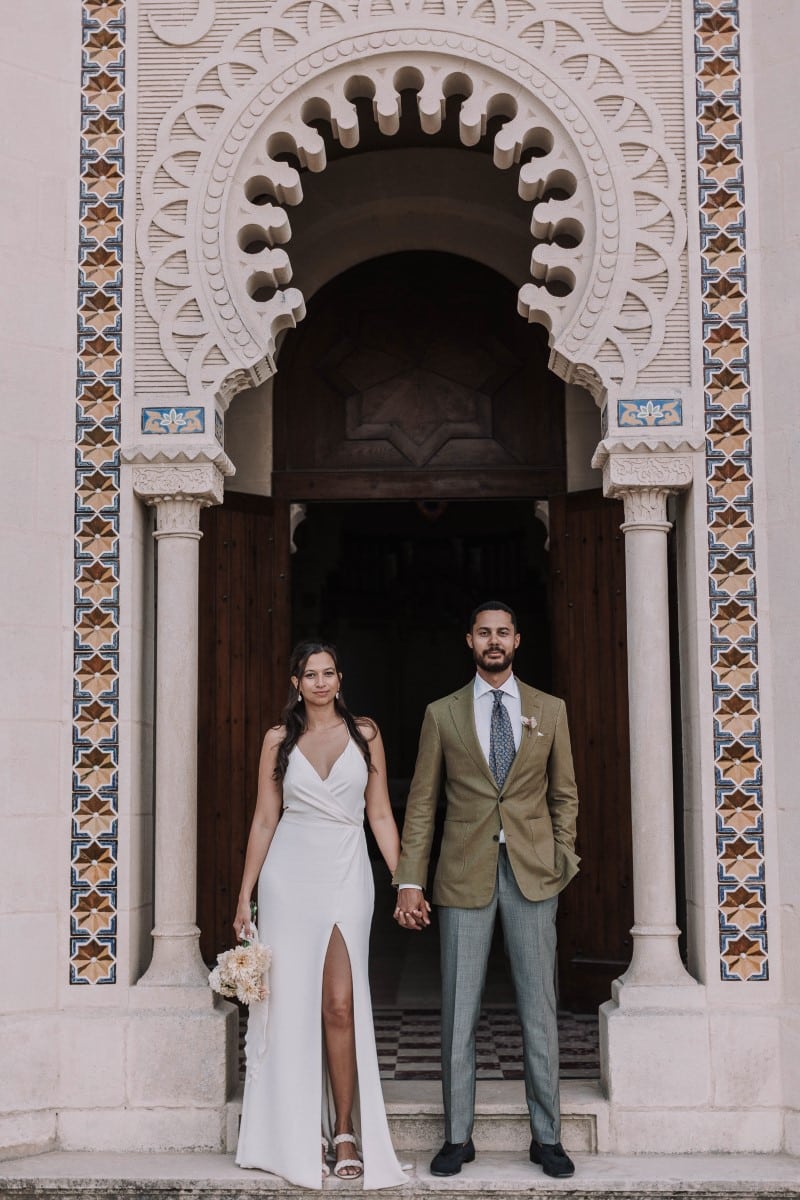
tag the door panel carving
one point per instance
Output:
(415, 362)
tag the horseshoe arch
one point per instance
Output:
(607, 230)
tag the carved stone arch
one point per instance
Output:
(214, 228)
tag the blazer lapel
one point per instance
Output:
(462, 709)
(531, 705)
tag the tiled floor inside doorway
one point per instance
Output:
(408, 1044)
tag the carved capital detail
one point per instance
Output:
(178, 516)
(670, 472)
(645, 507)
(199, 483)
(643, 482)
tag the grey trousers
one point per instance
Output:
(529, 927)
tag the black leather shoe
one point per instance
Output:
(553, 1159)
(451, 1156)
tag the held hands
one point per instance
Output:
(412, 909)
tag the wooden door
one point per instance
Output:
(243, 659)
(590, 672)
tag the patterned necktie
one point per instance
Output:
(501, 740)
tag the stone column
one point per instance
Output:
(655, 934)
(178, 494)
(181, 1039)
(653, 1032)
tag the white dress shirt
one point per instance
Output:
(483, 702)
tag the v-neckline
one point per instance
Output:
(334, 764)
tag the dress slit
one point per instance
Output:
(328, 1106)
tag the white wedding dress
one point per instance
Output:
(316, 876)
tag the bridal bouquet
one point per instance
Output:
(241, 973)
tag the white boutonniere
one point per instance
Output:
(530, 724)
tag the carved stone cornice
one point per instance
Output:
(178, 451)
(636, 443)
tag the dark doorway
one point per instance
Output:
(420, 435)
(392, 586)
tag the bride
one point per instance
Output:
(312, 1069)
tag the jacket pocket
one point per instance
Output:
(544, 846)
(453, 852)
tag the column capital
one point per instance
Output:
(178, 491)
(178, 516)
(642, 477)
(645, 508)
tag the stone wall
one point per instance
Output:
(776, 185)
(38, 235)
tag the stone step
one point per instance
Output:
(416, 1119)
(416, 1115)
(81, 1176)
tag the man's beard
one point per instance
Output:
(494, 666)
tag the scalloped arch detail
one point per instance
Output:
(214, 237)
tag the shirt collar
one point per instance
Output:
(510, 687)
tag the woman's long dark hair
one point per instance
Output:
(293, 717)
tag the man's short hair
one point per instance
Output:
(492, 606)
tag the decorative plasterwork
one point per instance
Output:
(631, 19)
(738, 782)
(643, 477)
(606, 245)
(185, 32)
(162, 482)
(95, 730)
(670, 472)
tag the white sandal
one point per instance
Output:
(325, 1168)
(347, 1162)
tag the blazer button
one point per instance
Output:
(495, 837)
(500, 799)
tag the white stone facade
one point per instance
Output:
(133, 211)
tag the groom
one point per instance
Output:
(509, 836)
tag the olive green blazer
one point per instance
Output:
(537, 805)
